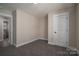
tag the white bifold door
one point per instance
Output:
(61, 29)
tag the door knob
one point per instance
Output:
(54, 32)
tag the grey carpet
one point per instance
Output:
(36, 48)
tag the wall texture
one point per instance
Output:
(44, 28)
(72, 24)
(27, 28)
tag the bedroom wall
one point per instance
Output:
(27, 28)
(44, 28)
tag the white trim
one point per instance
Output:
(43, 39)
(51, 43)
(18, 45)
(3, 14)
(11, 31)
(71, 48)
(68, 29)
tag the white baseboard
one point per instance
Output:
(51, 43)
(18, 45)
(72, 48)
(43, 39)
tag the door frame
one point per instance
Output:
(67, 25)
(2, 30)
(10, 16)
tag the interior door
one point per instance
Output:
(60, 29)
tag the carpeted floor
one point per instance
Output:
(36, 48)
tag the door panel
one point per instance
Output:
(60, 29)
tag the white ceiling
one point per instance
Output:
(38, 10)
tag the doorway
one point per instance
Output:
(5, 31)
(61, 29)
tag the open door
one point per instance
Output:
(61, 29)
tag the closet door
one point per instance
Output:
(60, 32)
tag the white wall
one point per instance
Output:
(44, 28)
(27, 28)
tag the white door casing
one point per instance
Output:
(1, 25)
